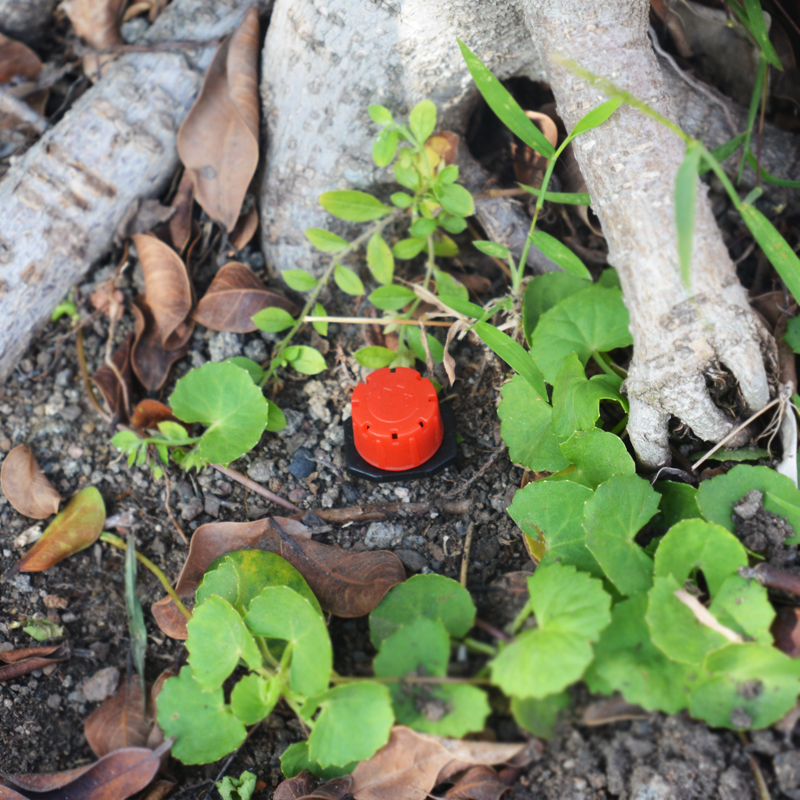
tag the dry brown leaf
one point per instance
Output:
(180, 224)
(25, 485)
(530, 166)
(142, 216)
(347, 584)
(614, 709)
(466, 754)
(218, 140)
(245, 229)
(25, 660)
(294, 788)
(445, 145)
(97, 23)
(478, 783)
(105, 379)
(234, 296)
(786, 630)
(119, 722)
(17, 61)
(150, 412)
(167, 288)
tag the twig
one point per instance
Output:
(379, 321)
(477, 474)
(465, 554)
(705, 617)
(256, 487)
(492, 631)
(773, 577)
(170, 513)
(14, 107)
(763, 790)
(87, 383)
(378, 513)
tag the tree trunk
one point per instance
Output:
(63, 200)
(630, 164)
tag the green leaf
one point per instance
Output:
(354, 722)
(513, 354)
(758, 28)
(576, 400)
(571, 609)
(240, 788)
(717, 497)
(281, 613)
(567, 198)
(456, 200)
(273, 320)
(217, 640)
(453, 224)
(353, 206)
(422, 228)
(792, 335)
(685, 200)
(626, 660)
(325, 240)
(620, 508)
(423, 648)
(593, 320)
(276, 419)
(740, 454)
(391, 297)
(136, 627)
(254, 697)
(380, 115)
(42, 629)
(596, 117)
(504, 105)
(597, 456)
(540, 717)
(240, 575)
(401, 199)
(527, 429)
(299, 280)
(445, 247)
(384, 147)
(723, 152)
(295, 759)
(560, 253)
(449, 174)
(248, 365)
(204, 728)
(609, 279)
(409, 248)
(320, 326)
(678, 502)
(542, 293)
(422, 120)
(423, 597)
(307, 360)
(743, 606)
(492, 249)
(775, 247)
(465, 307)
(447, 286)
(554, 510)
(380, 259)
(414, 337)
(405, 173)
(749, 686)
(375, 357)
(224, 399)
(348, 281)
(698, 545)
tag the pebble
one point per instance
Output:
(256, 350)
(224, 345)
(71, 413)
(294, 419)
(411, 559)
(100, 650)
(381, 535)
(211, 505)
(261, 470)
(191, 509)
(54, 701)
(303, 463)
(101, 685)
(787, 770)
(318, 397)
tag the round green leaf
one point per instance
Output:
(380, 115)
(299, 280)
(224, 399)
(295, 759)
(254, 697)
(375, 357)
(454, 224)
(325, 240)
(273, 319)
(248, 365)
(305, 359)
(353, 206)
(422, 228)
(401, 199)
(348, 281)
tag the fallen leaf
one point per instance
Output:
(148, 413)
(293, 788)
(245, 229)
(114, 777)
(150, 361)
(97, 23)
(334, 789)
(117, 396)
(234, 296)
(142, 216)
(614, 709)
(25, 485)
(119, 722)
(445, 145)
(786, 630)
(167, 288)
(180, 224)
(25, 660)
(530, 166)
(347, 584)
(218, 140)
(465, 754)
(73, 529)
(17, 61)
(159, 790)
(478, 783)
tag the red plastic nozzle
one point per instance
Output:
(396, 420)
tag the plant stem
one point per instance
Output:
(475, 646)
(620, 426)
(381, 321)
(608, 368)
(411, 679)
(117, 541)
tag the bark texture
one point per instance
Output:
(630, 164)
(63, 200)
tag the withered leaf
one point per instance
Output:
(25, 485)
(150, 361)
(245, 229)
(347, 584)
(105, 379)
(167, 288)
(529, 166)
(478, 783)
(119, 722)
(234, 296)
(612, 709)
(96, 22)
(786, 630)
(218, 140)
(114, 777)
(294, 788)
(180, 224)
(334, 789)
(25, 660)
(445, 145)
(73, 529)
(17, 61)
(148, 413)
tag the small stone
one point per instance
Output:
(261, 470)
(381, 535)
(211, 506)
(68, 617)
(100, 650)
(74, 451)
(294, 419)
(303, 463)
(317, 401)
(54, 701)
(101, 685)
(71, 413)
(256, 350)
(750, 504)
(329, 496)
(296, 495)
(224, 345)
(411, 559)
(54, 601)
(402, 494)
(191, 509)
(787, 770)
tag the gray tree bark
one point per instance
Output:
(630, 165)
(63, 200)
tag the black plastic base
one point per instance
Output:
(443, 457)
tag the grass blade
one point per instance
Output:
(515, 355)
(685, 201)
(560, 253)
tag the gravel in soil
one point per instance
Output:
(42, 714)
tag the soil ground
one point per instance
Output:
(41, 715)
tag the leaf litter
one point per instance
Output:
(25, 485)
